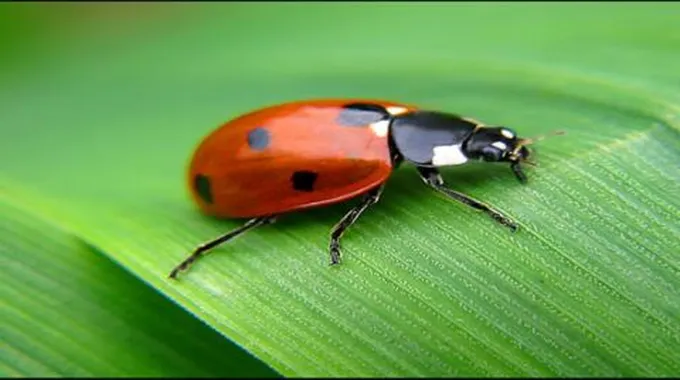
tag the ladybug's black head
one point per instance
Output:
(498, 144)
(495, 145)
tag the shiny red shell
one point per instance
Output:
(248, 167)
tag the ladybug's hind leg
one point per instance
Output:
(369, 199)
(203, 248)
(432, 178)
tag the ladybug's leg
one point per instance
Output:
(433, 179)
(203, 248)
(336, 233)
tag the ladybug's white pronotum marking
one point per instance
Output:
(396, 110)
(507, 133)
(380, 127)
(448, 155)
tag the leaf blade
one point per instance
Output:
(427, 287)
(67, 311)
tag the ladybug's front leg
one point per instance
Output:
(432, 178)
(369, 199)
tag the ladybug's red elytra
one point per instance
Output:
(304, 154)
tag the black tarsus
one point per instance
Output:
(433, 179)
(339, 229)
(517, 169)
(201, 249)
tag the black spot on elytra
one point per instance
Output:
(202, 187)
(303, 180)
(361, 114)
(258, 138)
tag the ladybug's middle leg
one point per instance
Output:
(432, 178)
(338, 230)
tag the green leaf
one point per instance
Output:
(69, 311)
(589, 286)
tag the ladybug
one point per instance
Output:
(304, 154)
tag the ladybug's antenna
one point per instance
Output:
(531, 140)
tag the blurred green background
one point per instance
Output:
(101, 105)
